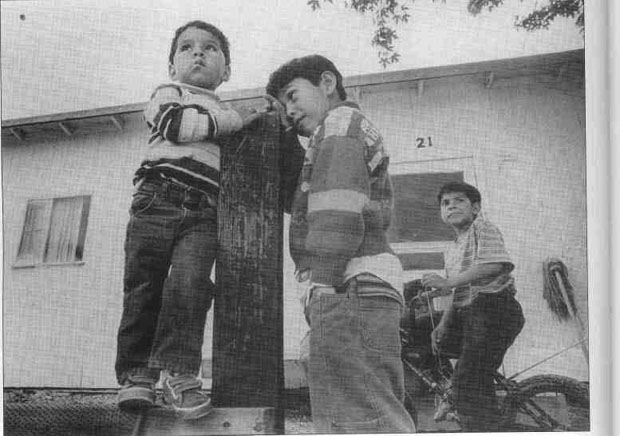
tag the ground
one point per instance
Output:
(72, 412)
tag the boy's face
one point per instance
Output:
(306, 104)
(457, 210)
(199, 60)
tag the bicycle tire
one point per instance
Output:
(548, 403)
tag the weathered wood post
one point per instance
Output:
(248, 320)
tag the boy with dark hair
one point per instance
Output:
(484, 318)
(171, 238)
(341, 211)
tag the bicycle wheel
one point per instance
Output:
(548, 403)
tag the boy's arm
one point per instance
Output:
(339, 189)
(170, 118)
(444, 286)
(491, 260)
(291, 162)
(291, 153)
(476, 272)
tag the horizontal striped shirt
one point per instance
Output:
(482, 243)
(343, 203)
(184, 122)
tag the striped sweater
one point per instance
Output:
(185, 122)
(343, 202)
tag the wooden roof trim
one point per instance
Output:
(117, 120)
(497, 65)
(77, 115)
(536, 61)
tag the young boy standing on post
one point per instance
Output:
(171, 237)
(484, 318)
(341, 211)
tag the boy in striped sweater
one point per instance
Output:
(340, 213)
(484, 317)
(171, 237)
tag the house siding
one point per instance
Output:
(521, 141)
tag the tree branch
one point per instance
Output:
(387, 15)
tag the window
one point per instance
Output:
(416, 210)
(54, 231)
(417, 234)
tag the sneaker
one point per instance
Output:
(442, 410)
(138, 393)
(183, 393)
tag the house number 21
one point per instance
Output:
(422, 142)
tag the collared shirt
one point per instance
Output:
(481, 243)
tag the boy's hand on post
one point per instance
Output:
(248, 115)
(273, 105)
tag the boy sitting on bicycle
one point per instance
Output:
(484, 317)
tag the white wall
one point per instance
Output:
(526, 139)
(522, 142)
(60, 321)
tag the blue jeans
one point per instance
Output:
(356, 374)
(480, 335)
(170, 248)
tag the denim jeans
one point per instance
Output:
(356, 375)
(480, 336)
(170, 248)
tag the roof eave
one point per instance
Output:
(351, 82)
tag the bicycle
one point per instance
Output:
(539, 403)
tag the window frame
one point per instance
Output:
(37, 258)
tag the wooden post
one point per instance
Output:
(248, 320)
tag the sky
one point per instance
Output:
(68, 55)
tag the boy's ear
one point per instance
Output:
(226, 75)
(171, 70)
(476, 208)
(328, 82)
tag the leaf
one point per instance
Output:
(543, 17)
(387, 15)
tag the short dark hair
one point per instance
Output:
(470, 191)
(224, 44)
(307, 67)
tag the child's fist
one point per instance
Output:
(248, 115)
(274, 105)
(433, 280)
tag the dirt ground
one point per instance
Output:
(46, 411)
(51, 410)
